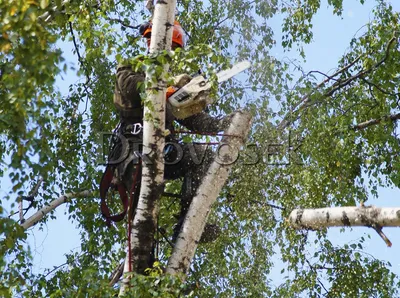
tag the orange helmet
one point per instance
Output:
(177, 34)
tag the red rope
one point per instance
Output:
(206, 143)
(131, 197)
(205, 133)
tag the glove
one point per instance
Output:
(179, 82)
(171, 90)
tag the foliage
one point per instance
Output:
(333, 162)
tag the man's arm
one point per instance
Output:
(127, 92)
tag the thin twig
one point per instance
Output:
(285, 122)
(56, 268)
(306, 102)
(379, 88)
(36, 188)
(122, 23)
(30, 198)
(268, 204)
(165, 237)
(314, 269)
(82, 63)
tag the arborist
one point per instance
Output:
(129, 104)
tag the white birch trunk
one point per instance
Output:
(207, 193)
(145, 220)
(32, 220)
(369, 216)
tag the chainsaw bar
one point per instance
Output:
(231, 72)
(193, 97)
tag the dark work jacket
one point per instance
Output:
(128, 102)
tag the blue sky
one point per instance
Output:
(331, 38)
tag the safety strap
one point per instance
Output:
(105, 186)
(131, 132)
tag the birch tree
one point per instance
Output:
(319, 139)
(145, 219)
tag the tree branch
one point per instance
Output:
(306, 102)
(116, 275)
(363, 216)
(82, 63)
(379, 88)
(123, 23)
(53, 205)
(363, 125)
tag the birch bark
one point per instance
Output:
(145, 220)
(32, 220)
(207, 193)
(344, 216)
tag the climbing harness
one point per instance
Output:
(121, 155)
(114, 178)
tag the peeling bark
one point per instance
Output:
(145, 219)
(207, 193)
(368, 216)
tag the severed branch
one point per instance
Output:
(208, 191)
(363, 216)
(53, 205)
(306, 101)
(363, 125)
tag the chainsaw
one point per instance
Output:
(193, 97)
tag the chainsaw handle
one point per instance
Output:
(172, 89)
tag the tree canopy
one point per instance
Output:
(317, 140)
